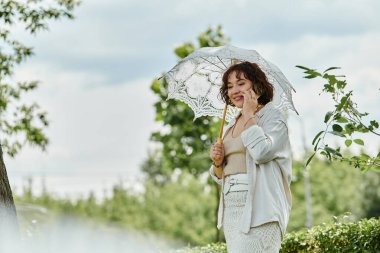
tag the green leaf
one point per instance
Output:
(342, 103)
(336, 133)
(331, 68)
(349, 128)
(316, 145)
(337, 128)
(327, 154)
(348, 143)
(374, 123)
(310, 158)
(316, 137)
(341, 84)
(365, 156)
(155, 86)
(333, 151)
(328, 116)
(302, 67)
(342, 120)
(359, 141)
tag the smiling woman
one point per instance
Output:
(245, 75)
(253, 164)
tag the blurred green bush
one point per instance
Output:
(184, 207)
(341, 236)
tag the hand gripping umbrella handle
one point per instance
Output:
(220, 140)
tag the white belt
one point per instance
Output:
(235, 183)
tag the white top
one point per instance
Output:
(269, 170)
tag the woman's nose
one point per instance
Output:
(235, 90)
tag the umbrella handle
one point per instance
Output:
(220, 140)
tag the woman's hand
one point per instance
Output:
(250, 103)
(250, 107)
(217, 154)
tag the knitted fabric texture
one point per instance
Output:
(265, 238)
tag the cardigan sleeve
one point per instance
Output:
(267, 142)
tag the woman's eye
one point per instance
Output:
(229, 87)
(241, 84)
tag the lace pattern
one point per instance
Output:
(196, 80)
(265, 238)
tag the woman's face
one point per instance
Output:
(235, 87)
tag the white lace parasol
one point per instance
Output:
(196, 80)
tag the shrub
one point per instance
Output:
(214, 248)
(341, 236)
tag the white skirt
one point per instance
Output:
(265, 238)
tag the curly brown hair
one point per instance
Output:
(250, 71)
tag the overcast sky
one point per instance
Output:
(95, 74)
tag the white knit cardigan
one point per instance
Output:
(269, 169)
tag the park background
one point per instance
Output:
(96, 74)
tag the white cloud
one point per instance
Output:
(106, 36)
(96, 70)
(355, 54)
(93, 128)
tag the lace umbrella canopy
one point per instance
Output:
(196, 80)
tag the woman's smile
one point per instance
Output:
(236, 86)
(238, 98)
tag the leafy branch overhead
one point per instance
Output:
(343, 121)
(22, 123)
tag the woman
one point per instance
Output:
(253, 164)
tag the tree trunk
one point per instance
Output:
(8, 216)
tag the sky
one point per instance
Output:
(96, 70)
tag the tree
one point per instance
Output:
(182, 145)
(343, 121)
(336, 188)
(21, 123)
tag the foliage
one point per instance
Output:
(184, 207)
(209, 248)
(341, 236)
(182, 145)
(181, 209)
(343, 121)
(336, 188)
(22, 123)
(371, 195)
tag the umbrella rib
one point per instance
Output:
(211, 62)
(222, 62)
